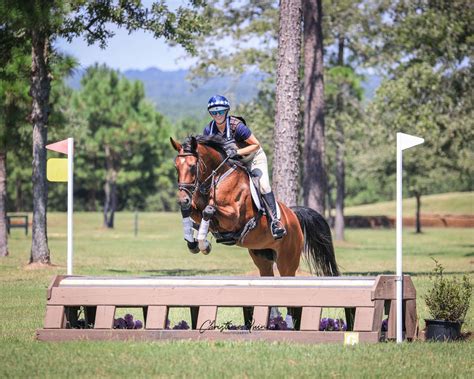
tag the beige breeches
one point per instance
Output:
(259, 162)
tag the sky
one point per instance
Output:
(124, 51)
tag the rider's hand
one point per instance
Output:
(233, 154)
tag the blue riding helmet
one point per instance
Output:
(218, 103)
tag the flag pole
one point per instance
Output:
(70, 192)
(404, 141)
(399, 265)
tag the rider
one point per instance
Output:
(249, 152)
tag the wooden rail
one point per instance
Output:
(365, 299)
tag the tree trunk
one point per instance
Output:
(40, 90)
(340, 183)
(110, 189)
(314, 178)
(418, 207)
(91, 200)
(285, 161)
(340, 150)
(330, 205)
(3, 205)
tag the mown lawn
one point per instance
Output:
(159, 250)
(453, 203)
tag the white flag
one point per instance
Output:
(405, 141)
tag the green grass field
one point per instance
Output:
(159, 250)
(454, 203)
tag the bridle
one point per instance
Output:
(190, 188)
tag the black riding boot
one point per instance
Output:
(276, 227)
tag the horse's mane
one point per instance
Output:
(217, 142)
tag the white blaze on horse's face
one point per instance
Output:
(186, 166)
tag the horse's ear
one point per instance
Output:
(194, 144)
(176, 145)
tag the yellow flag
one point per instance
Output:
(56, 170)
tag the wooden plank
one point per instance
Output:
(54, 318)
(392, 320)
(378, 315)
(307, 337)
(219, 296)
(385, 288)
(364, 319)
(156, 317)
(260, 317)
(410, 318)
(104, 318)
(206, 317)
(54, 283)
(310, 318)
(339, 282)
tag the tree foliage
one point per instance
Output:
(124, 134)
(428, 94)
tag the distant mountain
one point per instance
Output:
(175, 96)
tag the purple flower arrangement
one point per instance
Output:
(127, 322)
(180, 325)
(277, 323)
(332, 325)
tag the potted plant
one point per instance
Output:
(448, 302)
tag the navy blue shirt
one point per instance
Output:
(242, 132)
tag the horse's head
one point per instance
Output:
(197, 158)
(186, 163)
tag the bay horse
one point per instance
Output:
(216, 192)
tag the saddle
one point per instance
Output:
(257, 195)
(231, 238)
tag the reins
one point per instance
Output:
(190, 188)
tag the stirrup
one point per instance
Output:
(277, 229)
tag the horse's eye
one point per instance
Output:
(193, 169)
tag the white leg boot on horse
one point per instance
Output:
(204, 245)
(188, 232)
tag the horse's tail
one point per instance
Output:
(318, 248)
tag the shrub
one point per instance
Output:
(448, 299)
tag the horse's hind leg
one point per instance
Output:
(288, 261)
(263, 259)
(288, 258)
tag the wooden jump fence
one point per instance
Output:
(365, 300)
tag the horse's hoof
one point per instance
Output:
(205, 247)
(208, 249)
(193, 247)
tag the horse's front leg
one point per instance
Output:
(207, 214)
(188, 231)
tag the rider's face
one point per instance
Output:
(218, 117)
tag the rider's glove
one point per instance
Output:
(232, 154)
